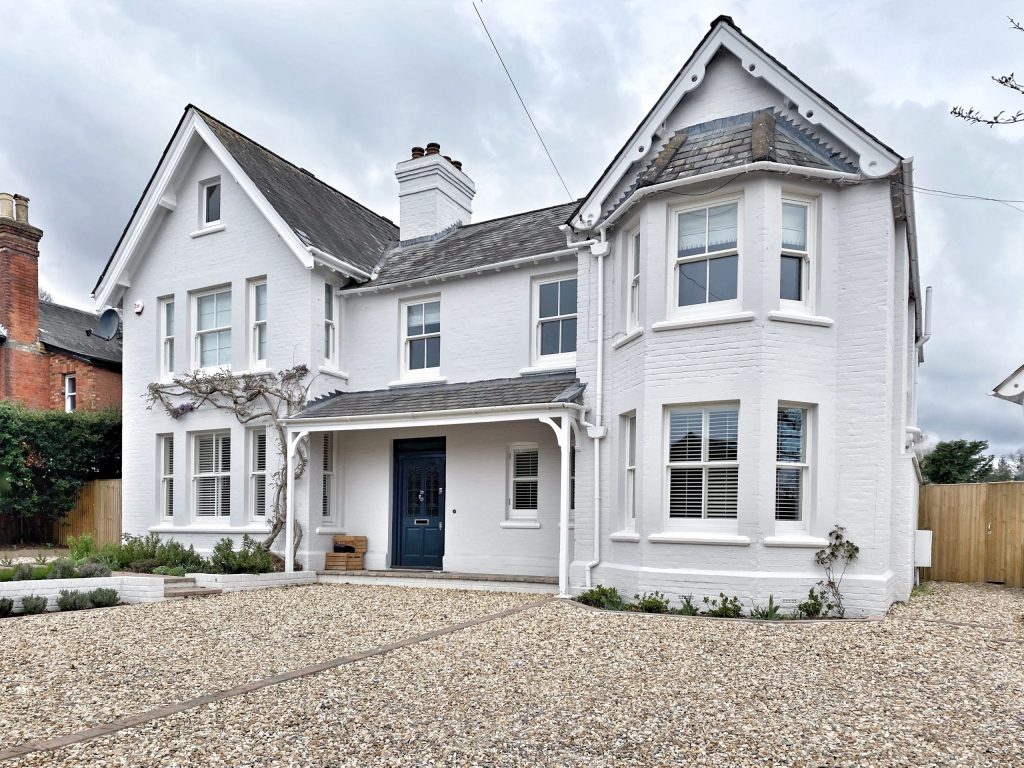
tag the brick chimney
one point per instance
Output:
(433, 193)
(19, 297)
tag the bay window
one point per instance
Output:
(795, 259)
(213, 329)
(706, 263)
(703, 466)
(792, 468)
(167, 476)
(629, 472)
(258, 473)
(633, 283)
(212, 474)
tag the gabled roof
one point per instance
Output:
(63, 328)
(874, 159)
(478, 245)
(1011, 388)
(544, 389)
(319, 214)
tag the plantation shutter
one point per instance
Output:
(790, 458)
(169, 475)
(259, 473)
(213, 479)
(328, 475)
(703, 474)
(525, 466)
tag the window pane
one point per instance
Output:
(207, 350)
(207, 306)
(685, 433)
(723, 278)
(723, 483)
(259, 457)
(790, 440)
(723, 431)
(635, 256)
(169, 318)
(722, 227)
(432, 317)
(686, 492)
(791, 278)
(223, 309)
(631, 454)
(787, 493)
(224, 444)
(224, 348)
(549, 337)
(328, 340)
(328, 301)
(794, 227)
(524, 494)
(213, 203)
(414, 319)
(261, 301)
(548, 299)
(417, 354)
(692, 230)
(206, 495)
(526, 463)
(204, 454)
(261, 342)
(434, 352)
(569, 335)
(693, 283)
(567, 297)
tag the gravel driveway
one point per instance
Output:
(553, 685)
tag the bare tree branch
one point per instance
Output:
(971, 115)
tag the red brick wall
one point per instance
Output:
(97, 388)
(19, 280)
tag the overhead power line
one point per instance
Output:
(519, 95)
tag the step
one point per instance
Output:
(179, 580)
(190, 591)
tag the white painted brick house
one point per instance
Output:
(712, 356)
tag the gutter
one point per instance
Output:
(418, 415)
(907, 180)
(341, 266)
(760, 165)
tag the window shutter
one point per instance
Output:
(723, 484)
(686, 492)
(787, 493)
(685, 435)
(723, 433)
(525, 466)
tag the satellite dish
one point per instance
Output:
(108, 325)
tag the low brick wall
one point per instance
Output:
(237, 582)
(131, 589)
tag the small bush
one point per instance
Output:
(686, 608)
(174, 554)
(92, 570)
(73, 600)
(250, 558)
(607, 598)
(110, 556)
(650, 602)
(103, 597)
(143, 566)
(770, 612)
(23, 572)
(33, 604)
(723, 607)
(7, 562)
(812, 607)
(6, 607)
(138, 548)
(81, 546)
(62, 568)
(166, 570)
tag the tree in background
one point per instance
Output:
(971, 115)
(1009, 467)
(958, 461)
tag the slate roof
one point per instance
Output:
(728, 143)
(527, 390)
(320, 215)
(478, 245)
(64, 328)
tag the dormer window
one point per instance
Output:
(210, 202)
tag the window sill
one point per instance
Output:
(520, 524)
(795, 540)
(328, 371)
(415, 382)
(171, 528)
(535, 369)
(625, 536)
(698, 322)
(636, 333)
(686, 537)
(796, 317)
(207, 230)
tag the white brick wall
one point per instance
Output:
(131, 589)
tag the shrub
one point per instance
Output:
(686, 608)
(835, 559)
(41, 560)
(812, 607)
(174, 554)
(770, 612)
(250, 558)
(103, 597)
(600, 596)
(62, 568)
(92, 570)
(23, 572)
(73, 600)
(166, 570)
(109, 555)
(33, 604)
(143, 566)
(6, 607)
(138, 548)
(7, 562)
(723, 607)
(650, 602)
(81, 546)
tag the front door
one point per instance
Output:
(419, 507)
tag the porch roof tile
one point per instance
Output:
(542, 389)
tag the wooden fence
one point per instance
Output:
(977, 532)
(97, 512)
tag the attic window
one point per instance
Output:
(210, 202)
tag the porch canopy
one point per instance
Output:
(553, 399)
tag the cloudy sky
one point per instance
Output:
(92, 91)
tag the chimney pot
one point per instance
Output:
(457, 164)
(6, 205)
(21, 209)
(433, 148)
(417, 152)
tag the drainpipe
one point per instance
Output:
(597, 431)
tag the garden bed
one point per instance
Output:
(131, 589)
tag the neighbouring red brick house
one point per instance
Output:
(46, 358)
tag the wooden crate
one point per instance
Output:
(358, 543)
(344, 561)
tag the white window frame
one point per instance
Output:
(512, 513)
(327, 482)
(633, 283)
(221, 476)
(712, 308)
(166, 459)
(629, 446)
(167, 350)
(330, 337)
(204, 185)
(256, 325)
(198, 334)
(419, 373)
(809, 257)
(806, 468)
(257, 476)
(70, 392)
(703, 523)
(561, 359)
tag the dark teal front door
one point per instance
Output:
(419, 506)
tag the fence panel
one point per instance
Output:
(97, 513)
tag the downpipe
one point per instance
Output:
(596, 432)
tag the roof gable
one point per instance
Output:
(872, 157)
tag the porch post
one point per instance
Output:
(565, 444)
(289, 518)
